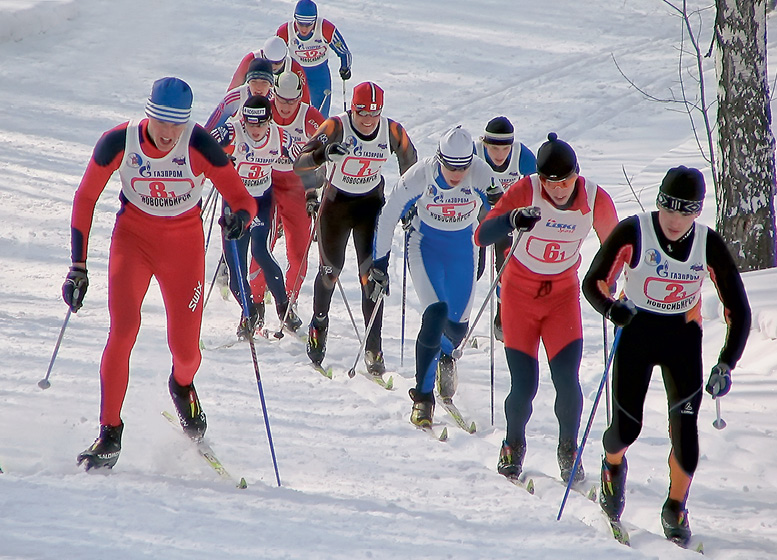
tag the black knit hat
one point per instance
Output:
(260, 69)
(682, 190)
(256, 109)
(499, 130)
(556, 160)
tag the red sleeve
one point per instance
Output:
(328, 30)
(106, 158)
(605, 216)
(313, 120)
(209, 159)
(239, 76)
(283, 32)
(296, 67)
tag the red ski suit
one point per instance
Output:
(170, 248)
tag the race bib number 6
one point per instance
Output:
(552, 251)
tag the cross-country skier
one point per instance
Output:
(541, 293)
(310, 39)
(355, 145)
(256, 143)
(510, 160)
(259, 81)
(665, 256)
(447, 191)
(299, 121)
(163, 161)
(276, 51)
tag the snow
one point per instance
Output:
(358, 480)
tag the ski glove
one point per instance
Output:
(621, 312)
(335, 152)
(493, 194)
(345, 74)
(74, 288)
(407, 219)
(525, 218)
(311, 203)
(379, 279)
(719, 383)
(234, 225)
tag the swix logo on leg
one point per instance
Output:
(196, 297)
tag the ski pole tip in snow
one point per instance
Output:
(352, 373)
(44, 384)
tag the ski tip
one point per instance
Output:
(444, 434)
(698, 548)
(202, 345)
(592, 494)
(530, 486)
(390, 383)
(472, 428)
(242, 484)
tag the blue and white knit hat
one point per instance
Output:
(456, 148)
(305, 12)
(170, 101)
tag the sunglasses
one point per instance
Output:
(451, 167)
(364, 113)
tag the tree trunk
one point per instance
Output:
(746, 167)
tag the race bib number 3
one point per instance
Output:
(249, 170)
(161, 188)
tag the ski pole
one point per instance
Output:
(459, 350)
(327, 93)
(607, 387)
(348, 307)
(345, 107)
(363, 345)
(492, 265)
(44, 383)
(247, 315)
(579, 456)
(213, 282)
(212, 219)
(404, 301)
(719, 423)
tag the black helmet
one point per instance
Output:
(556, 160)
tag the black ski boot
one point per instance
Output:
(375, 363)
(190, 413)
(104, 452)
(423, 408)
(292, 321)
(612, 497)
(447, 376)
(566, 454)
(254, 322)
(511, 459)
(316, 346)
(674, 520)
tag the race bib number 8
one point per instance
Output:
(161, 188)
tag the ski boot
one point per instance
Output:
(674, 520)
(511, 459)
(423, 408)
(190, 413)
(316, 346)
(104, 452)
(566, 455)
(292, 322)
(375, 363)
(254, 322)
(612, 497)
(447, 376)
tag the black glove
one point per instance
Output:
(719, 383)
(378, 278)
(493, 194)
(525, 218)
(223, 134)
(234, 225)
(621, 312)
(74, 288)
(345, 74)
(311, 203)
(407, 219)
(335, 152)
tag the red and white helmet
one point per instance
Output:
(367, 96)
